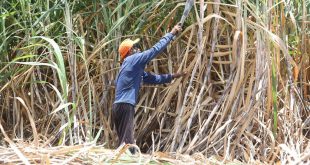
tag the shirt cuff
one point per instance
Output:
(170, 35)
(170, 77)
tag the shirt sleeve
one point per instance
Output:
(148, 55)
(156, 79)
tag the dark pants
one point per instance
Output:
(123, 119)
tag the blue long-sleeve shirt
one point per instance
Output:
(132, 73)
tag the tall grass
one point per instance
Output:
(246, 95)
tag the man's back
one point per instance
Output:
(128, 81)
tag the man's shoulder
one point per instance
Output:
(132, 61)
(135, 57)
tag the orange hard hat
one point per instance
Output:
(125, 46)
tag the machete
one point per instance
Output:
(189, 4)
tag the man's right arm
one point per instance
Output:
(148, 55)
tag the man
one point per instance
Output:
(129, 79)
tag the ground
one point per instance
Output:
(25, 153)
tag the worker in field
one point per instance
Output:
(129, 79)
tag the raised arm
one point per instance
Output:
(148, 55)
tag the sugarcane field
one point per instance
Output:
(168, 82)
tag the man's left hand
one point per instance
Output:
(178, 75)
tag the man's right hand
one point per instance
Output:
(176, 29)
